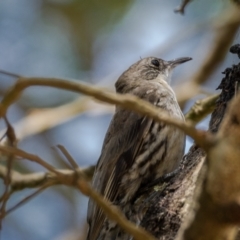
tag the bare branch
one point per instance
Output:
(181, 8)
(12, 141)
(114, 213)
(68, 156)
(32, 157)
(47, 179)
(218, 213)
(35, 180)
(40, 120)
(127, 101)
(26, 199)
(224, 173)
(201, 109)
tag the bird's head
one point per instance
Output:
(148, 69)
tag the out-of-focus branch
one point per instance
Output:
(171, 203)
(218, 212)
(76, 178)
(40, 120)
(201, 109)
(181, 8)
(114, 213)
(225, 32)
(224, 164)
(26, 199)
(236, 2)
(20, 153)
(127, 101)
(35, 180)
(12, 141)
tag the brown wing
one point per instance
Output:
(122, 143)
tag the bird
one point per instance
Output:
(136, 150)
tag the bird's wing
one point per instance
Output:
(123, 141)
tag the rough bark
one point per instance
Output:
(161, 209)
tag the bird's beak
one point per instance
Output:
(178, 61)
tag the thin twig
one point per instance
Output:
(10, 133)
(7, 180)
(111, 211)
(21, 181)
(68, 157)
(10, 74)
(181, 8)
(26, 199)
(29, 156)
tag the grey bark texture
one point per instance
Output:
(162, 209)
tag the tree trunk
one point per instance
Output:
(162, 209)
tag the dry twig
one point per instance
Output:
(114, 213)
(71, 179)
(29, 156)
(218, 213)
(181, 8)
(36, 180)
(10, 158)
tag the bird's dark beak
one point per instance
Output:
(178, 61)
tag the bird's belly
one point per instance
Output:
(160, 154)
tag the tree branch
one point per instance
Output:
(181, 8)
(35, 180)
(75, 178)
(114, 213)
(218, 213)
(127, 101)
(201, 109)
(215, 214)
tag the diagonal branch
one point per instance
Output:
(26, 199)
(181, 8)
(127, 101)
(114, 212)
(201, 109)
(29, 156)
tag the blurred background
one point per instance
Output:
(91, 41)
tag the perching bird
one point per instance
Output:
(136, 150)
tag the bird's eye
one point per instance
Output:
(155, 62)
